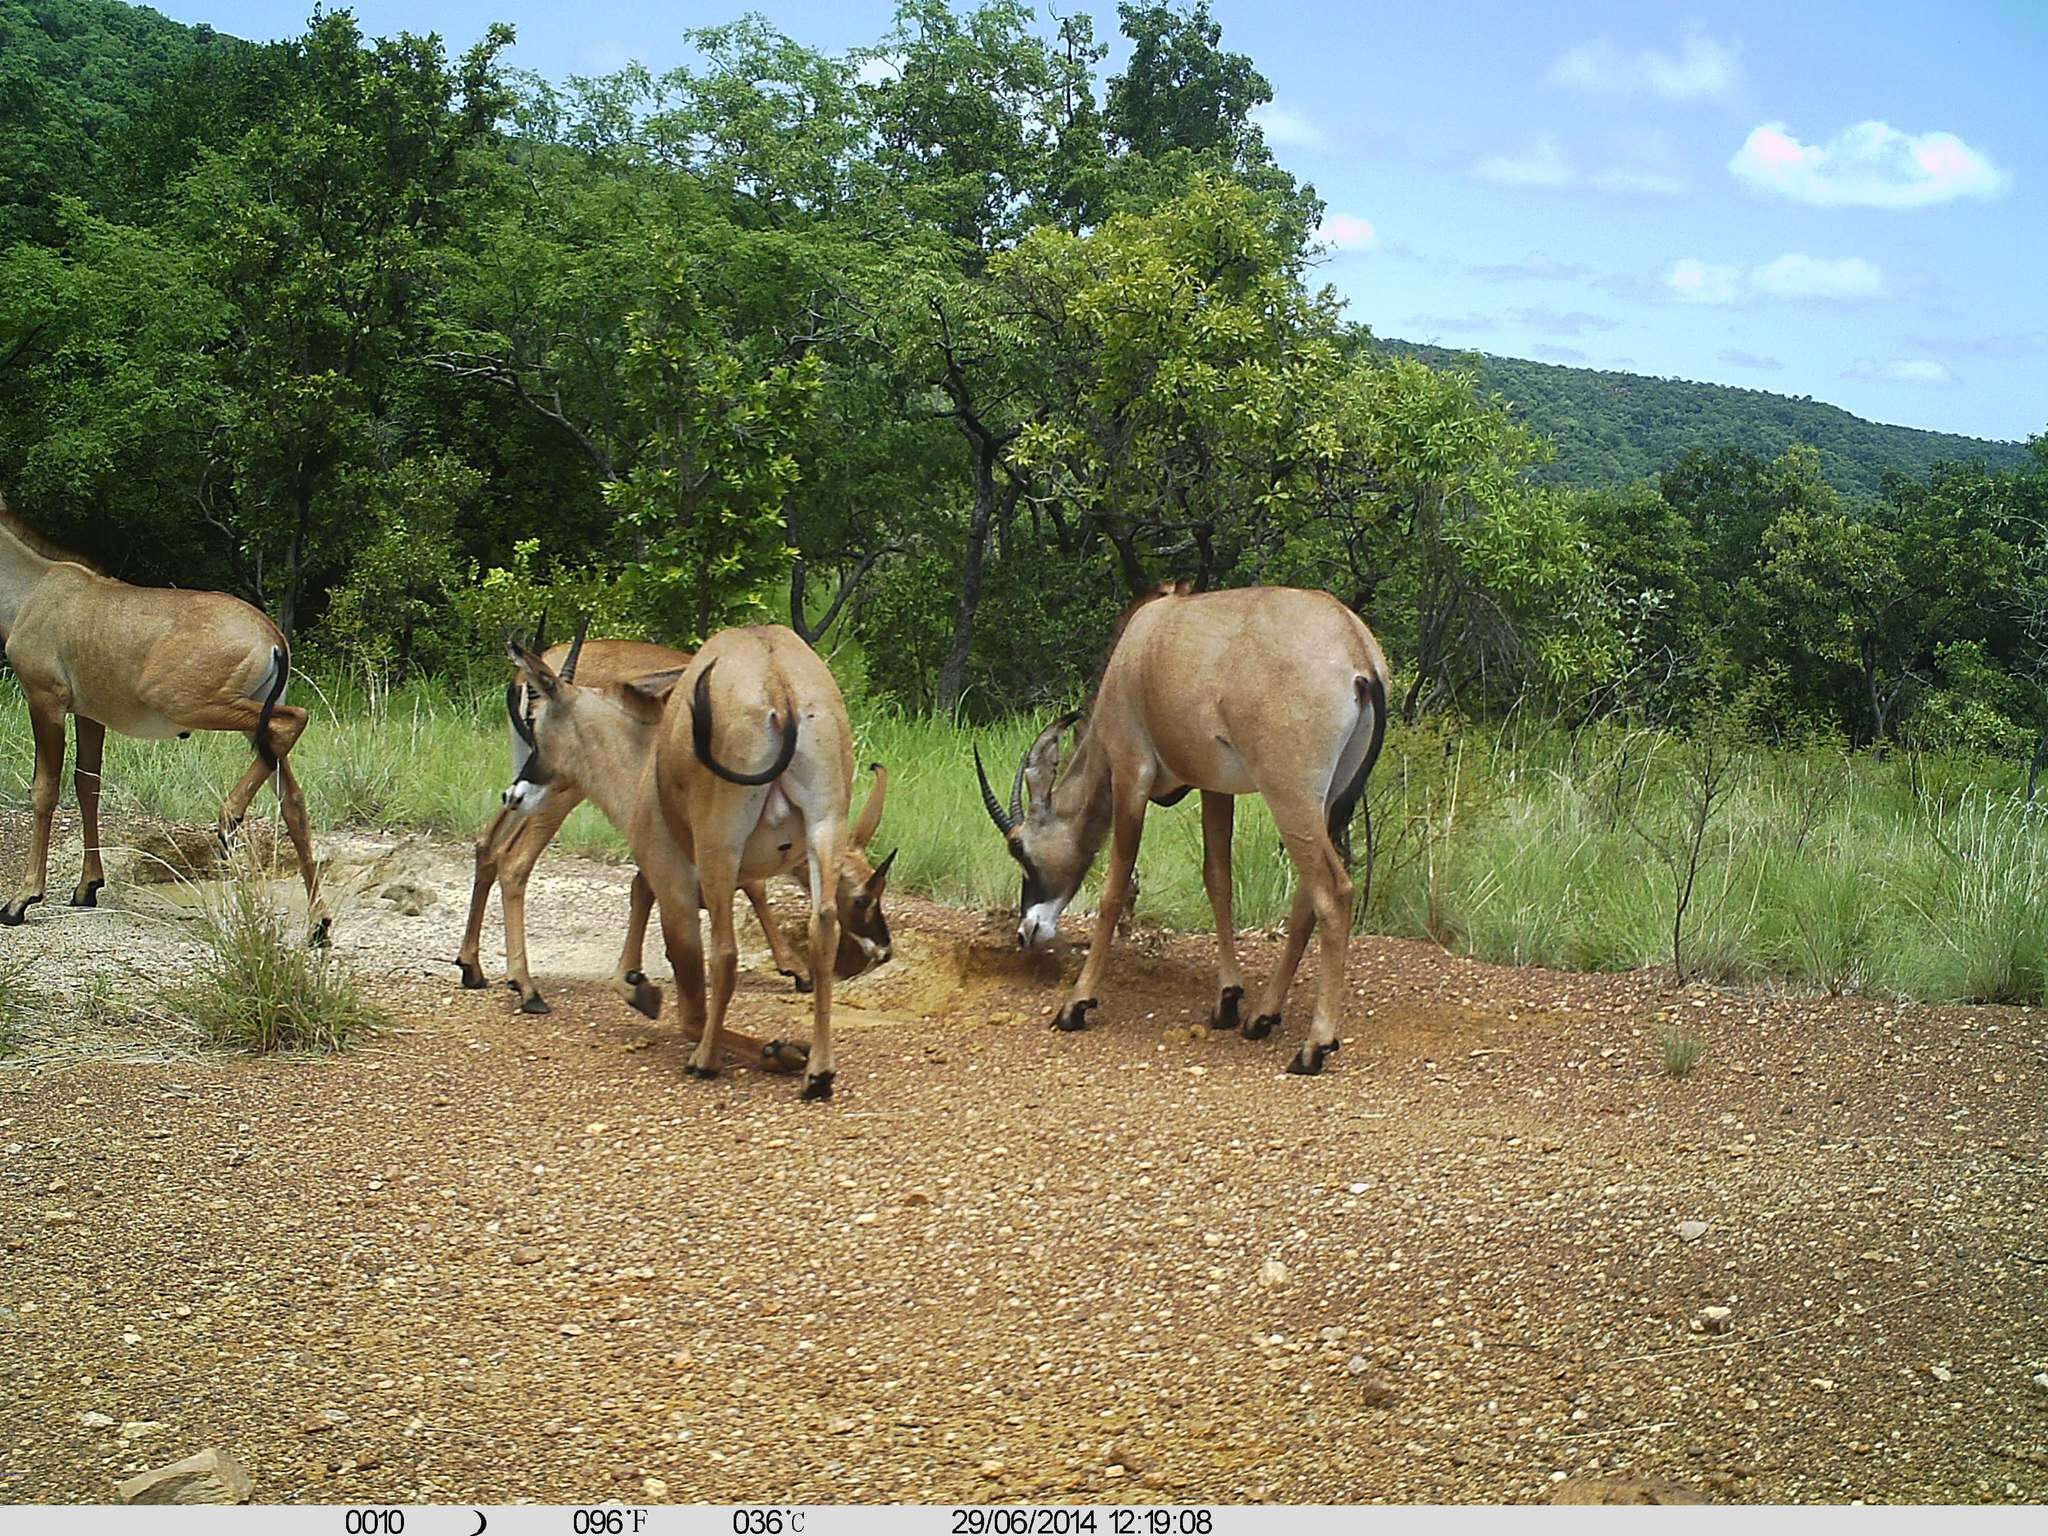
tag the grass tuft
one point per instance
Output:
(262, 988)
(16, 999)
(1681, 1051)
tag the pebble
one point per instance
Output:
(1272, 1273)
(526, 1253)
(654, 1487)
(1691, 1231)
(1713, 1320)
(97, 1420)
(2041, 1381)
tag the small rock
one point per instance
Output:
(2041, 1381)
(1272, 1273)
(59, 1218)
(571, 1330)
(916, 1197)
(315, 1424)
(526, 1253)
(211, 1477)
(409, 897)
(654, 1487)
(1691, 1231)
(840, 1426)
(1121, 1456)
(1358, 1365)
(1713, 1320)
(138, 1429)
(1332, 1334)
(97, 1420)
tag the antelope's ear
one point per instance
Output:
(655, 687)
(880, 878)
(531, 667)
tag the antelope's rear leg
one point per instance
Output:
(46, 722)
(298, 827)
(786, 961)
(85, 778)
(629, 980)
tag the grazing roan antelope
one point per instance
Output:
(145, 661)
(1258, 690)
(669, 759)
(514, 841)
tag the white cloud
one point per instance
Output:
(1797, 276)
(1701, 282)
(1288, 128)
(1542, 164)
(1348, 232)
(1641, 166)
(1638, 183)
(1867, 165)
(1794, 275)
(1702, 69)
(1901, 370)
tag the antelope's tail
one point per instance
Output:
(1372, 694)
(280, 669)
(700, 737)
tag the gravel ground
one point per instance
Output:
(493, 1258)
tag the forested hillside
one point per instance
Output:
(1610, 428)
(944, 346)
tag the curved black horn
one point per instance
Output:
(1004, 824)
(568, 673)
(522, 725)
(540, 633)
(700, 737)
(1017, 788)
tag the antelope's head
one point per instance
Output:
(1050, 842)
(863, 926)
(593, 737)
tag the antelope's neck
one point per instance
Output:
(1083, 794)
(20, 569)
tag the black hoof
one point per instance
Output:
(322, 936)
(1075, 1015)
(803, 982)
(691, 1069)
(535, 1003)
(1262, 1026)
(819, 1087)
(635, 978)
(87, 895)
(15, 913)
(472, 975)
(785, 1056)
(1225, 1016)
(1308, 1061)
(646, 998)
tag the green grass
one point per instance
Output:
(1920, 878)
(261, 988)
(1681, 1051)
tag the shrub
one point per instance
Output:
(1681, 1051)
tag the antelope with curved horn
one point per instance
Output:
(662, 756)
(1258, 690)
(514, 841)
(149, 662)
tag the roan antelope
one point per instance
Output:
(1258, 690)
(659, 754)
(514, 841)
(145, 661)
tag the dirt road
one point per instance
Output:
(491, 1257)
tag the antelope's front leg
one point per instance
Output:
(786, 962)
(630, 980)
(1116, 887)
(46, 722)
(1218, 814)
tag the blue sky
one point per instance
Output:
(1843, 200)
